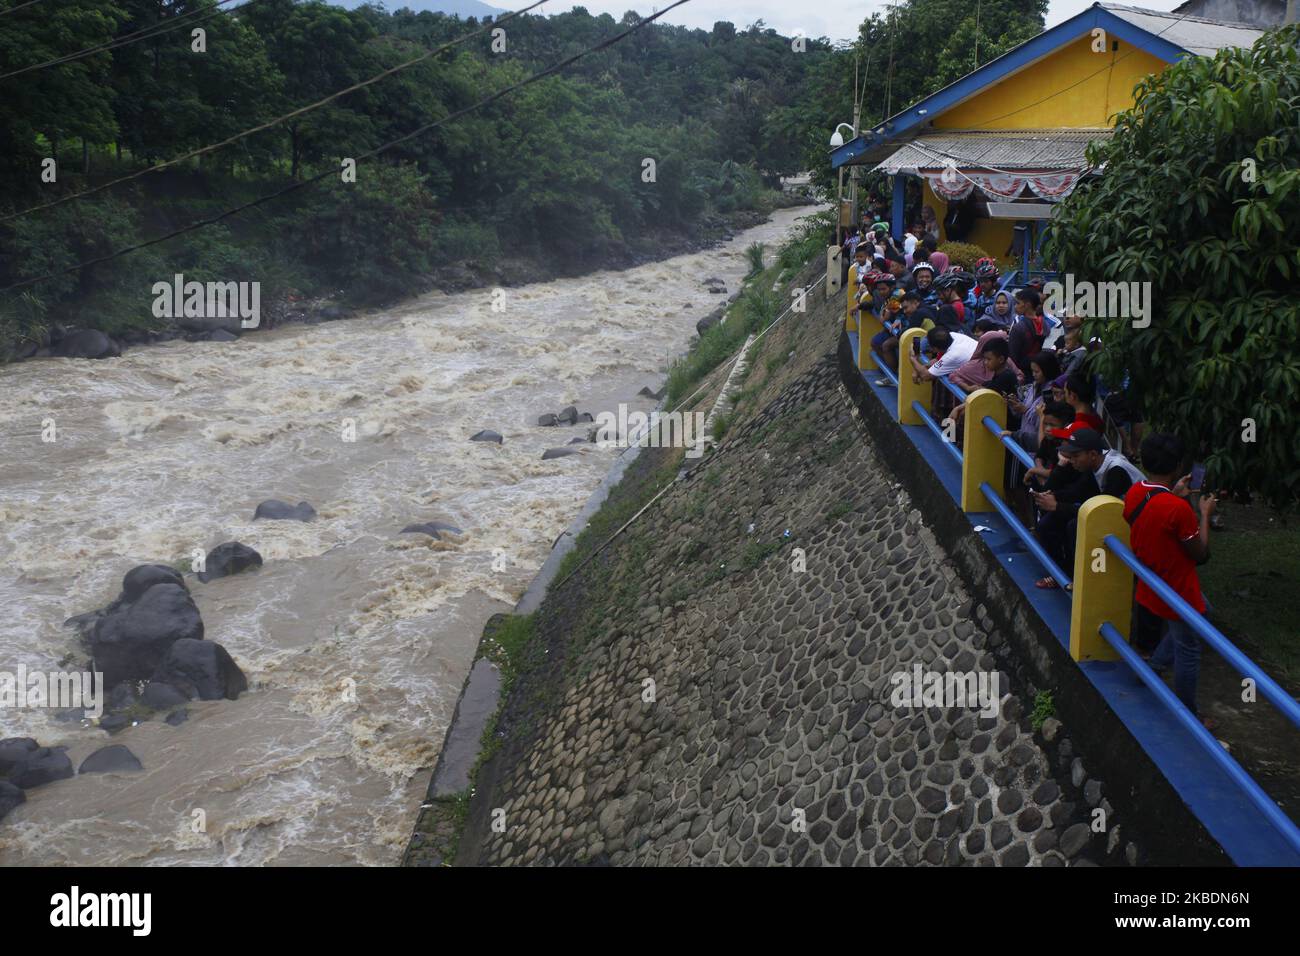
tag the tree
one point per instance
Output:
(1200, 197)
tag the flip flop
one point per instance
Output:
(1047, 584)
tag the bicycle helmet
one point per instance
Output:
(923, 265)
(954, 278)
(986, 268)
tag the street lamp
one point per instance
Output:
(836, 139)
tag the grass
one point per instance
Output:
(838, 510)
(1044, 707)
(754, 253)
(1250, 582)
(754, 309)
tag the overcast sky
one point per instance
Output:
(836, 19)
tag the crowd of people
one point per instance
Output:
(980, 335)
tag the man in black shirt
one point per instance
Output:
(1100, 471)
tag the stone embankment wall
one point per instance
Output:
(715, 687)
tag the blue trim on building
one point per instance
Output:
(996, 70)
(1229, 816)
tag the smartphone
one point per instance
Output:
(1198, 477)
(916, 346)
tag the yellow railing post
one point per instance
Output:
(909, 391)
(850, 324)
(868, 326)
(1103, 584)
(833, 254)
(983, 455)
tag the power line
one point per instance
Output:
(9, 10)
(144, 33)
(276, 121)
(604, 44)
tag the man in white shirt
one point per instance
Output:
(954, 349)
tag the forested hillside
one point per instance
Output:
(552, 174)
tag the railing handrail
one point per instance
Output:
(930, 424)
(1207, 631)
(956, 390)
(888, 372)
(1266, 804)
(1012, 446)
(1024, 534)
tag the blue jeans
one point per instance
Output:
(1182, 647)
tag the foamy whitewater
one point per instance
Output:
(170, 448)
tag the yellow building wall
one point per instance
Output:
(991, 235)
(1014, 102)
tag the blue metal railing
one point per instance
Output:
(1213, 749)
(1207, 631)
(938, 432)
(885, 369)
(1025, 535)
(961, 396)
(1011, 444)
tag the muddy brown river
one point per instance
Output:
(170, 448)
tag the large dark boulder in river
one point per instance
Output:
(114, 758)
(569, 416)
(487, 435)
(548, 420)
(144, 576)
(87, 344)
(41, 766)
(13, 751)
(433, 529)
(561, 452)
(706, 323)
(275, 509)
(222, 335)
(159, 696)
(229, 558)
(10, 797)
(201, 669)
(131, 640)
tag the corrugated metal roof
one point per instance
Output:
(1021, 149)
(1194, 34)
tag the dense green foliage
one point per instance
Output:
(1201, 197)
(551, 172)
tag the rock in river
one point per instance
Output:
(433, 529)
(114, 758)
(41, 766)
(229, 558)
(130, 641)
(10, 797)
(201, 669)
(275, 509)
(561, 452)
(487, 435)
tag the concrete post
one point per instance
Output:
(833, 254)
(983, 455)
(909, 391)
(1103, 584)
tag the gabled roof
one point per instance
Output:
(1025, 149)
(1194, 34)
(1167, 36)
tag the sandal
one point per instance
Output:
(1047, 584)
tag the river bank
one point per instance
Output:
(716, 686)
(285, 308)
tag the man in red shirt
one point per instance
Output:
(1171, 539)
